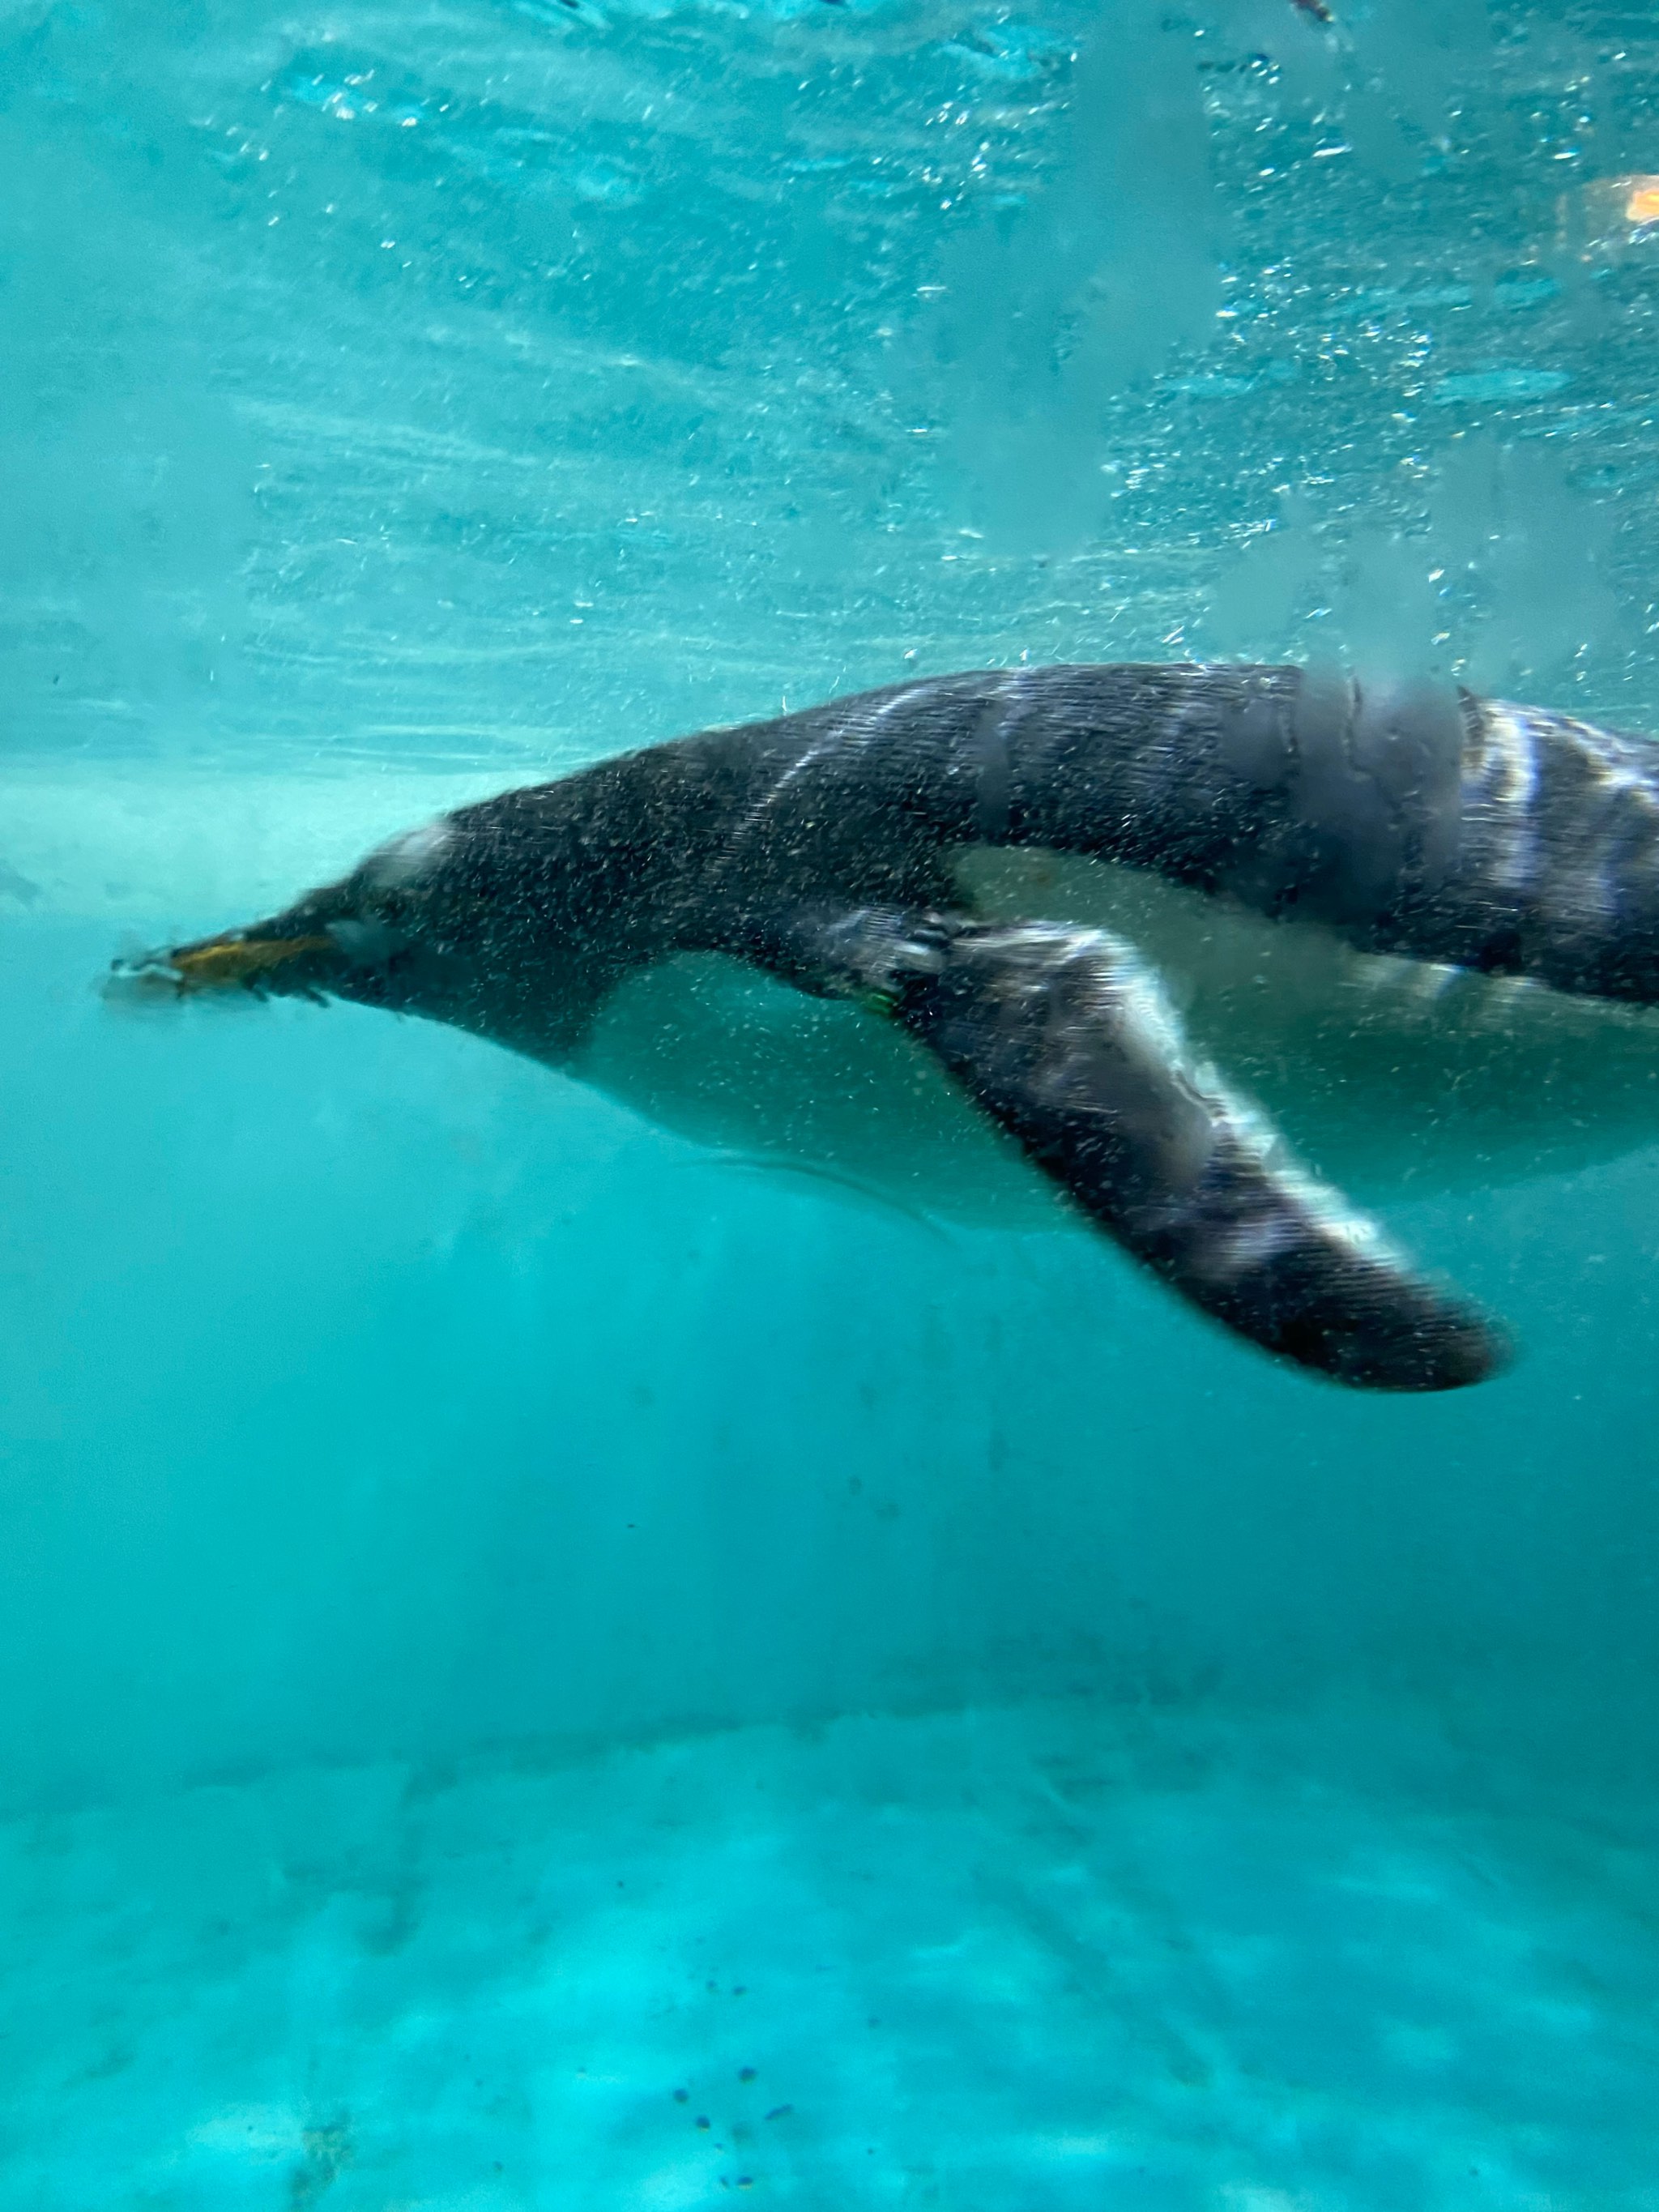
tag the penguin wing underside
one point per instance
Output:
(1064, 1037)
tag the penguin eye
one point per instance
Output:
(407, 862)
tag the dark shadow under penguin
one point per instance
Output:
(870, 851)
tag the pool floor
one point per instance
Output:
(1049, 1955)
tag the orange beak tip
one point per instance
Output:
(221, 965)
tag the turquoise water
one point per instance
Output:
(524, 1633)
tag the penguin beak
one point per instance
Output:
(224, 961)
(238, 958)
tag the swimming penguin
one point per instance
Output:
(836, 850)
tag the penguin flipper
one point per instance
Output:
(1065, 1038)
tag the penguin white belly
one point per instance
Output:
(1380, 1070)
(768, 1078)
(1382, 1073)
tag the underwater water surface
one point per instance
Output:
(550, 1656)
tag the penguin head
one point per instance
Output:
(391, 932)
(441, 922)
